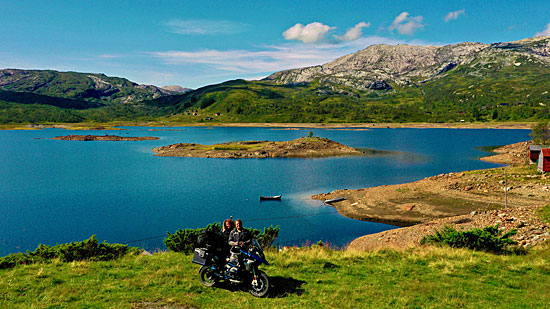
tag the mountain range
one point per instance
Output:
(376, 65)
(381, 83)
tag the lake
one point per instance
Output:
(54, 191)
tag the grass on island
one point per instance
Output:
(308, 277)
(247, 145)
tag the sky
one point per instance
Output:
(197, 43)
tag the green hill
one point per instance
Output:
(308, 277)
(382, 83)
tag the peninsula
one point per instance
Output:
(106, 137)
(305, 147)
(449, 195)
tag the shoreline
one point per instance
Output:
(448, 195)
(299, 126)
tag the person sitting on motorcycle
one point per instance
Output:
(238, 238)
(228, 226)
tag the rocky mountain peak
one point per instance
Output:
(405, 64)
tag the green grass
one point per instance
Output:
(544, 213)
(313, 277)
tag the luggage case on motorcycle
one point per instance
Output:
(200, 256)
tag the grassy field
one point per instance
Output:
(312, 277)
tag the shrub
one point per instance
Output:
(541, 132)
(267, 237)
(89, 249)
(488, 239)
(186, 240)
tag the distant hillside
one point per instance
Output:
(382, 83)
(51, 96)
(401, 83)
(176, 88)
(79, 86)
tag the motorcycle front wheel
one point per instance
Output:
(208, 278)
(260, 286)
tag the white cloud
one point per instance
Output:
(268, 59)
(406, 24)
(353, 33)
(204, 26)
(454, 15)
(311, 33)
(109, 56)
(545, 32)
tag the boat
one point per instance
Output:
(273, 197)
(334, 200)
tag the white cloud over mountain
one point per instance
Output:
(271, 58)
(311, 33)
(454, 15)
(353, 33)
(545, 32)
(317, 32)
(406, 24)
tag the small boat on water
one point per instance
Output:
(273, 197)
(334, 200)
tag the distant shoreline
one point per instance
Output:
(303, 126)
(115, 138)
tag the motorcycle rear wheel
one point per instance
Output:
(208, 278)
(261, 286)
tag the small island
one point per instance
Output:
(305, 147)
(105, 137)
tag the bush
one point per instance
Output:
(267, 237)
(187, 240)
(541, 132)
(488, 239)
(89, 249)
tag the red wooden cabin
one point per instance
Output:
(534, 153)
(544, 160)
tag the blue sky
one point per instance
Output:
(196, 43)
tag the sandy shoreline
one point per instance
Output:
(450, 194)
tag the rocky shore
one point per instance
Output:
(430, 203)
(305, 147)
(450, 194)
(531, 230)
(106, 137)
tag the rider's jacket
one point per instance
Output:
(236, 236)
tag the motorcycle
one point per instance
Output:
(246, 274)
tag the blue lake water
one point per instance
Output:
(61, 191)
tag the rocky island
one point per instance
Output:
(105, 137)
(305, 147)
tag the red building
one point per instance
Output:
(544, 160)
(534, 153)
